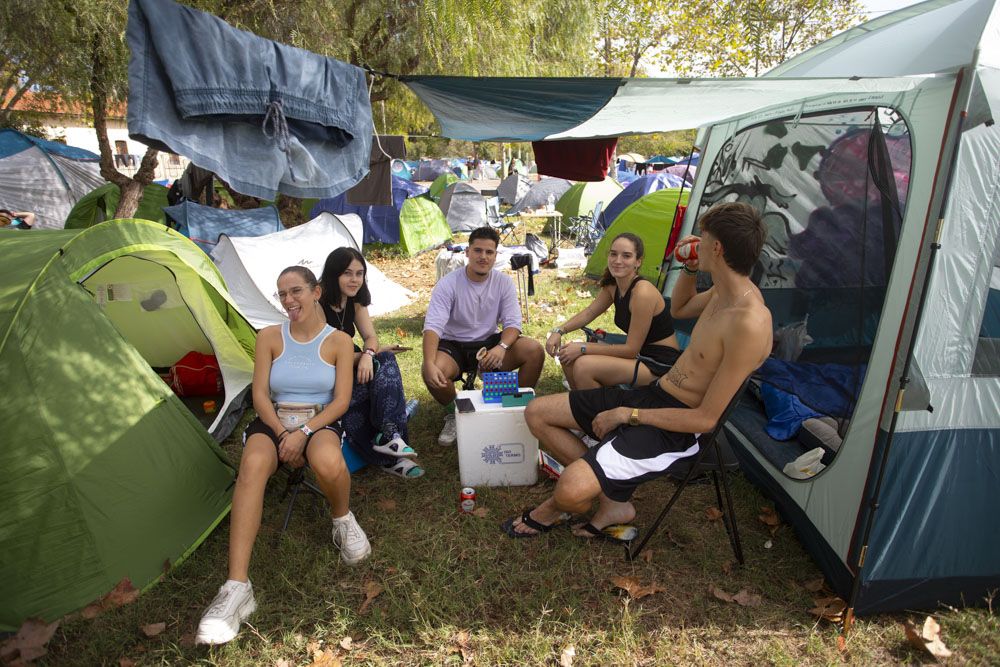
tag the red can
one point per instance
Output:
(467, 500)
(687, 252)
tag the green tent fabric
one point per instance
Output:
(422, 226)
(99, 205)
(106, 473)
(439, 185)
(583, 197)
(650, 218)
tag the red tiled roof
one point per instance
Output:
(53, 104)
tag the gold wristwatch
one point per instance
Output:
(633, 419)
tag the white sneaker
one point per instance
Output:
(448, 434)
(221, 621)
(351, 540)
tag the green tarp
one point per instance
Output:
(650, 218)
(106, 473)
(422, 226)
(99, 205)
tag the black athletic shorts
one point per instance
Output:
(630, 455)
(464, 354)
(663, 354)
(258, 426)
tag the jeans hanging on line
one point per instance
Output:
(373, 404)
(266, 117)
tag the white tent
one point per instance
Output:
(250, 265)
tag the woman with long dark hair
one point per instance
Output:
(640, 312)
(375, 422)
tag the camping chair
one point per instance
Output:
(585, 230)
(501, 222)
(708, 442)
(296, 482)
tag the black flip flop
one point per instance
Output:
(508, 525)
(608, 533)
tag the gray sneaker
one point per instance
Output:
(448, 434)
(221, 621)
(351, 540)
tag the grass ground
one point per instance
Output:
(450, 589)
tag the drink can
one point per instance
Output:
(467, 500)
(687, 252)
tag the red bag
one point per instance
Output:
(196, 374)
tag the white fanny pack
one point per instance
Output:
(294, 415)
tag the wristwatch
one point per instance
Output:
(557, 330)
(633, 419)
(503, 345)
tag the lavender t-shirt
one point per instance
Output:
(466, 311)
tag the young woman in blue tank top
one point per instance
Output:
(306, 362)
(640, 312)
(375, 422)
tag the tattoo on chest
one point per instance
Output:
(677, 377)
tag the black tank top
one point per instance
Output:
(660, 327)
(344, 321)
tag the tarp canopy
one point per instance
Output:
(44, 177)
(100, 205)
(106, 473)
(381, 223)
(204, 224)
(251, 265)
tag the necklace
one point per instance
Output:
(735, 301)
(343, 315)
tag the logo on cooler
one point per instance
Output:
(503, 453)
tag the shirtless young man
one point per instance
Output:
(643, 431)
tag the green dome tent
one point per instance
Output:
(581, 198)
(99, 205)
(650, 218)
(106, 473)
(440, 184)
(422, 226)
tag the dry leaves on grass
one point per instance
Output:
(122, 594)
(744, 598)
(646, 555)
(126, 662)
(387, 505)
(769, 518)
(566, 657)
(347, 643)
(927, 638)
(325, 658)
(814, 585)
(461, 645)
(29, 641)
(480, 512)
(372, 590)
(635, 589)
(153, 629)
(831, 608)
(713, 513)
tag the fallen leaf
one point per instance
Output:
(481, 512)
(126, 662)
(92, 610)
(842, 645)
(153, 629)
(187, 640)
(634, 589)
(122, 594)
(30, 640)
(372, 591)
(927, 638)
(727, 567)
(387, 505)
(646, 555)
(313, 647)
(400, 333)
(713, 513)
(582, 294)
(325, 658)
(814, 585)
(566, 658)
(769, 518)
(346, 643)
(831, 608)
(719, 594)
(282, 662)
(675, 541)
(391, 570)
(745, 598)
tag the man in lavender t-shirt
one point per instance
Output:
(466, 307)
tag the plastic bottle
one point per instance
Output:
(551, 203)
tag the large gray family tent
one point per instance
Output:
(463, 206)
(513, 188)
(857, 259)
(44, 177)
(540, 192)
(107, 474)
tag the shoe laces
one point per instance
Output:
(221, 601)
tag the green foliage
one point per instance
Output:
(667, 143)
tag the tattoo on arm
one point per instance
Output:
(676, 376)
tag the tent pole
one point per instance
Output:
(904, 376)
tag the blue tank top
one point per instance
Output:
(299, 374)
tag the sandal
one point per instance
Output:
(508, 525)
(396, 448)
(618, 533)
(404, 468)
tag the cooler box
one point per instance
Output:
(495, 447)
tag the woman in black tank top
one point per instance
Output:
(640, 312)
